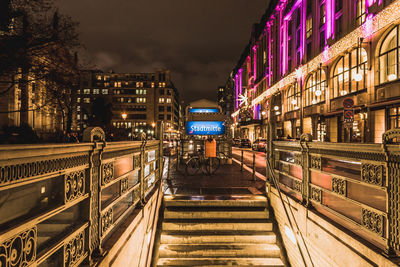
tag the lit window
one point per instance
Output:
(360, 12)
(78, 100)
(388, 59)
(314, 91)
(152, 85)
(78, 116)
(350, 73)
(104, 91)
(86, 91)
(309, 27)
(293, 97)
(96, 91)
(137, 84)
(168, 100)
(86, 100)
(161, 100)
(78, 108)
(85, 117)
(98, 77)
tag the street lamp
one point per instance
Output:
(153, 124)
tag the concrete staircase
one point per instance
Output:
(218, 231)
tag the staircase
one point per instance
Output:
(217, 230)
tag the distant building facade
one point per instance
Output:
(138, 100)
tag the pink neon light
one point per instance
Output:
(330, 21)
(367, 27)
(369, 3)
(255, 61)
(240, 81)
(236, 91)
(290, 13)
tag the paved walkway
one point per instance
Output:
(227, 180)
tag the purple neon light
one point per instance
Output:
(236, 92)
(330, 18)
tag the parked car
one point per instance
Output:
(236, 142)
(259, 145)
(245, 143)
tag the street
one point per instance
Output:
(248, 158)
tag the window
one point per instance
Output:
(86, 100)
(104, 91)
(322, 39)
(338, 6)
(168, 100)
(96, 91)
(360, 12)
(98, 77)
(141, 100)
(160, 108)
(389, 57)
(322, 18)
(350, 73)
(169, 117)
(117, 84)
(314, 91)
(169, 108)
(169, 92)
(152, 85)
(394, 117)
(86, 91)
(161, 116)
(309, 27)
(78, 100)
(161, 91)
(78, 108)
(161, 100)
(85, 117)
(293, 97)
(78, 116)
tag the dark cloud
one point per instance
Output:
(199, 41)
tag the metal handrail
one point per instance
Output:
(287, 216)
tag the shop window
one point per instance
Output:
(293, 97)
(314, 91)
(389, 57)
(350, 73)
(394, 118)
(360, 12)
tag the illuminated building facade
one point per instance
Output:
(138, 100)
(328, 68)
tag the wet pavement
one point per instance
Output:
(228, 180)
(248, 158)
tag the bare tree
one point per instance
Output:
(35, 47)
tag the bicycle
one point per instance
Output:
(199, 162)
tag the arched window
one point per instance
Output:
(389, 57)
(293, 97)
(350, 73)
(315, 88)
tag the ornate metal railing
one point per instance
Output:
(355, 185)
(60, 204)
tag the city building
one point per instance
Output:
(137, 100)
(326, 68)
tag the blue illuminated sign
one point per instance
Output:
(205, 127)
(203, 110)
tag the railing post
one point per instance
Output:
(241, 161)
(305, 163)
(160, 137)
(254, 166)
(393, 191)
(142, 164)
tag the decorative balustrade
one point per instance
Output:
(60, 203)
(355, 185)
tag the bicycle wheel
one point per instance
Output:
(212, 165)
(192, 166)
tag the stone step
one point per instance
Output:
(216, 201)
(210, 237)
(218, 250)
(271, 262)
(215, 225)
(215, 214)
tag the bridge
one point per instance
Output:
(103, 203)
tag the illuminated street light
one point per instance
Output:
(153, 124)
(358, 77)
(276, 108)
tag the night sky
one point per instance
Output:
(199, 41)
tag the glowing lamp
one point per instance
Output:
(318, 92)
(276, 108)
(294, 101)
(358, 77)
(124, 115)
(153, 125)
(392, 77)
(263, 113)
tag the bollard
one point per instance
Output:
(241, 162)
(254, 166)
